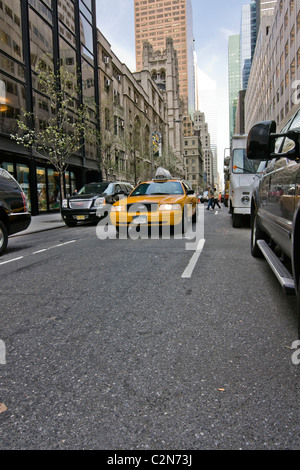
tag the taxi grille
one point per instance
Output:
(80, 203)
(140, 206)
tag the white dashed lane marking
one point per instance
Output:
(39, 251)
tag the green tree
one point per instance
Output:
(63, 125)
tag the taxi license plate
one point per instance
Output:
(140, 219)
(80, 217)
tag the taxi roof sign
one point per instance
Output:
(162, 174)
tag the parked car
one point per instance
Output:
(275, 205)
(14, 214)
(203, 197)
(86, 205)
(161, 201)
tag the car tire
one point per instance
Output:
(256, 234)
(236, 220)
(70, 222)
(194, 216)
(3, 237)
(298, 309)
(184, 220)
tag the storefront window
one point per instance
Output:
(8, 167)
(41, 188)
(23, 180)
(53, 189)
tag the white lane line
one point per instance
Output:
(40, 251)
(193, 261)
(55, 246)
(11, 260)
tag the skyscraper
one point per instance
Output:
(155, 21)
(248, 40)
(234, 78)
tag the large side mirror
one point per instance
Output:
(226, 161)
(259, 144)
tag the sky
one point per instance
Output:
(213, 22)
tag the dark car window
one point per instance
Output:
(283, 145)
(7, 180)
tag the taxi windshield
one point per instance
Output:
(156, 188)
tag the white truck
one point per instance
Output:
(243, 177)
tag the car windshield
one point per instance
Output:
(242, 165)
(96, 188)
(158, 188)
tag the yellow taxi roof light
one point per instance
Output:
(162, 174)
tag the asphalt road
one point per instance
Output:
(145, 344)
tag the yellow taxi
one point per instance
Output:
(158, 202)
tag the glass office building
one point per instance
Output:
(248, 40)
(53, 32)
(234, 78)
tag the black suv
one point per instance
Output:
(89, 204)
(14, 215)
(275, 206)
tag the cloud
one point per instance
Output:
(227, 32)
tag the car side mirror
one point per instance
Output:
(260, 145)
(226, 161)
(121, 192)
(190, 191)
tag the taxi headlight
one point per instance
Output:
(170, 207)
(99, 201)
(118, 209)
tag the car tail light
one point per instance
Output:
(24, 201)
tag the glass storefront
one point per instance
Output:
(53, 189)
(41, 188)
(23, 180)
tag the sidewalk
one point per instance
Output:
(40, 223)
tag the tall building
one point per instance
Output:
(273, 91)
(163, 68)
(248, 40)
(48, 33)
(234, 78)
(267, 7)
(207, 103)
(201, 127)
(155, 21)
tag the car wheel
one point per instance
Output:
(298, 309)
(236, 220)
(3, 237)
(185, 220)
(194, 217)
(70, 222)
(256, 234)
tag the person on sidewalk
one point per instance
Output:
(216, 199)
(210, 200)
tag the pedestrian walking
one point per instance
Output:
(210, 200)
(216, 199)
